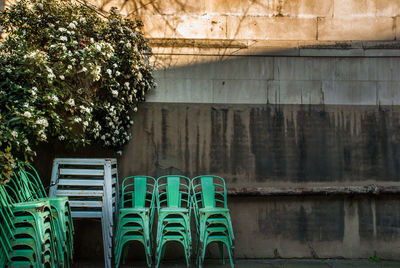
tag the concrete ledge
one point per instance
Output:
(241, 47)
(371, 189)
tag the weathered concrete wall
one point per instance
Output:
(267, 145)
(273, 94)
(265, 20)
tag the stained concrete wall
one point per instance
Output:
(272, 94)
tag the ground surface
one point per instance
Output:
(331, 263)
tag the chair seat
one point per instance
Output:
(214, 210)
(174, 209)
(133, 210)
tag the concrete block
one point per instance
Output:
(397, 23)
(394, 71)
(248, 7)
(275, 28)
(240, 91)
(182, 91)
(300, 92)
(304, 68)
(349, 92)
(312, 52)
(309, 8)
(382, 52)
(243, 68)
(184, 26)
(350, 28)
(350, 8)
(387, 8)
(388, 93)
(273, 92)
(163, 7)
(362, 69)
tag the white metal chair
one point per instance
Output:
(91, 185)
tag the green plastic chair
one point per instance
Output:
(174, 210)
(212, 216)
(58, 246)
(135, 217)
(61, 213)
(25, 236)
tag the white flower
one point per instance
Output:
(71, 102)
(54, 98)
(62, 77)
(72, 26)
(114, 93)
(86, 123)
(103, 137)
(135, 109)
(119, 152)
(63, 38)
(43, 122)
(115, 65)
(126, 85)
(27, 114)
(109, 72)
(117, 73)
(14, 133)
(39, 6)
(26, 142)
(42, 135)
(61, 138)
(84, 69)
(77, 119)
(82, 20)
(62, 30)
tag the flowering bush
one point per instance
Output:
(68, 73)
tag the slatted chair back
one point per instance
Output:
(137, 192)
(6, 224)
(91, 184)
(209, 191)
(173, 191)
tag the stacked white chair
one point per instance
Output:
(91, 185)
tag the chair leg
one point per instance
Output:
(124, 253)
(221, 250)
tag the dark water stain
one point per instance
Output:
(366, 221)
(219, 161)
(164, 128)
(388, 219)
(187, 150)
(239, 146)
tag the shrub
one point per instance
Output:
(70, 73)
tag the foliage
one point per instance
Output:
(70, 73)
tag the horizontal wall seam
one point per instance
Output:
(371, 189)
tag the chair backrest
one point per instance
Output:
(209, 191)
(173, 191)
(138, 192)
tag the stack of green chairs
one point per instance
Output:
(174, 210)
(27, 200)
(135, 218)
(212, 216)
(61, 215)
(26, 233)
